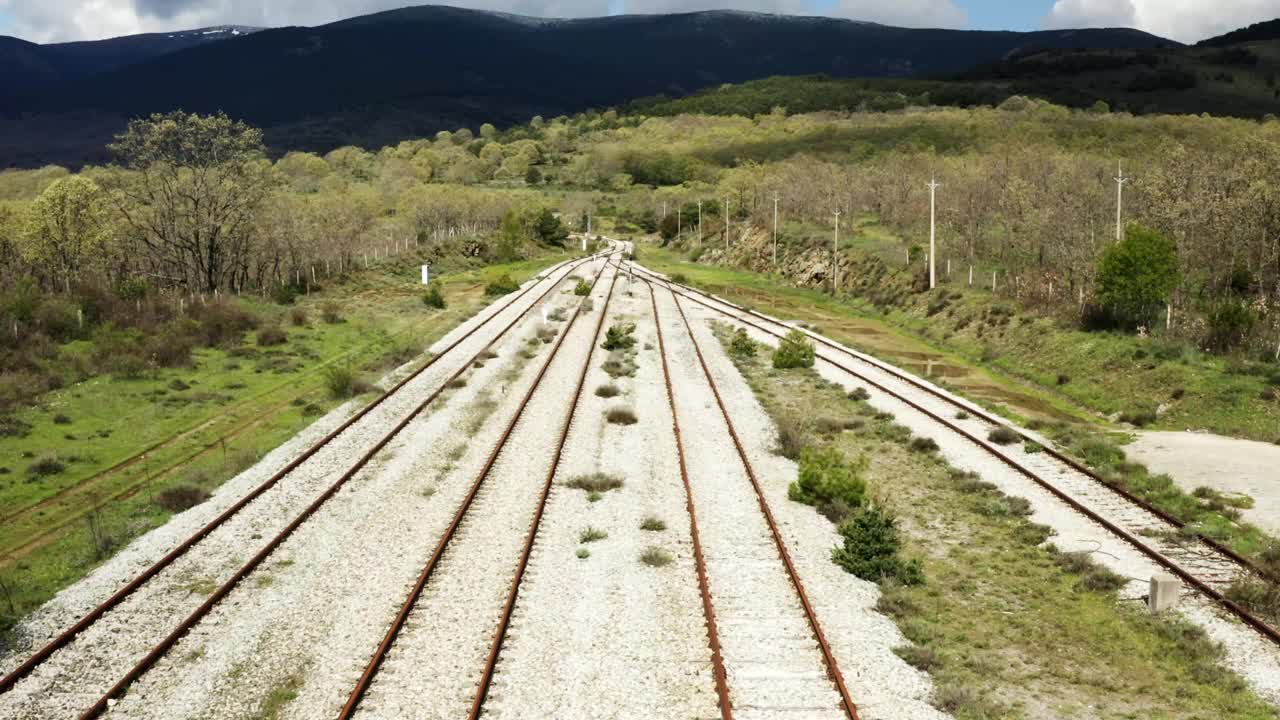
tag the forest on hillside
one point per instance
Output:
(193, 207)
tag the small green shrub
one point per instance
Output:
(583, 553)
(503, 285)
(595, 482)
(298, 316)
(1004, 435)
(923, 445)
(859, 394)
(434, 298)
(795, 351)
(680, 279)
(652, 524)
(582, 289)
(61, 419)
(180, 498)
(826, 476)
(870, 549)
(620, 337)
(591, 535)
(271, 335)
(742, 346)
(608, 391)
(621, 416)
(920, 657)
(340, 380)
(654, 556)
(46, 466)
(331, 313)
(558, 315)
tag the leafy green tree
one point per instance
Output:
(549, 229)
(533, 177)
(195, 183)
(488, 131)
(668, 228)
(66, 226)
(1137, 275)
(510, 237)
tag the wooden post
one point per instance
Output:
(993, 281)
(971, 275)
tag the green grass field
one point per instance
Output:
(93, 472)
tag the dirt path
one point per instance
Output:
(1225, 464)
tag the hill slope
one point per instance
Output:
(25, 65)
(374, 79)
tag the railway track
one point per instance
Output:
(1208, 567)
(770, 647)
(463, 562)
(552, 280)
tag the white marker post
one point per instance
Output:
(933, 191)
(426, 274)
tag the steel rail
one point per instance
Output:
(1159, 558)
(829, 660)
(402, 616)
(67, 636)
(513, 593)
(986, 416)
(162, 648)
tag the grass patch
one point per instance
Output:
(595, 482)
(652, 524)
(608, 391)
(621, 416)
(656, 557)
(591, 535)
(583, 553)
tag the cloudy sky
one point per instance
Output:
(1186, 20)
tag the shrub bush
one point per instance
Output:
(45, 466)
(503, 285)
(341, 381)
(608, 391)
(272, 335)
(582, 289)
(434, 298)
(182, 497)
(654, 556)
(826, 476)
(793, 436)
(1230, 325)
(923, 445)
(331, 313)
(298, 316)
(621, 416)
(595, 482)
(795, 351)
(870, 549)
(620, 337)
(742, 346)
(1004, 435)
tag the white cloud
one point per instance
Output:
(1183, 20)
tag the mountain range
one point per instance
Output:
(379, 78)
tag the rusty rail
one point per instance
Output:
(161, 649)
(994, 420)
(833, 668)
(708, 609)
(65, 638)
(513, 593)
(1160, 559)
(402, 616)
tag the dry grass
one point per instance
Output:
(621, 416)
(608, 391)
(653, 524)
(591, 535)
(595, 482)
(654, 556)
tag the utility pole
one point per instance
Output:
(1120, 182)
(933, 232)
(775, 232)
(726, 224)
(835, 257)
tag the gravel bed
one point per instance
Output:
(1256, 659)
(75, 677)
(774, 665)
(607, 636)
(432, 669)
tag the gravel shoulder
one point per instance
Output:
(1228, 465)
(606, 636)
(74, 677)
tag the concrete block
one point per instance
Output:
(1166, 590)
